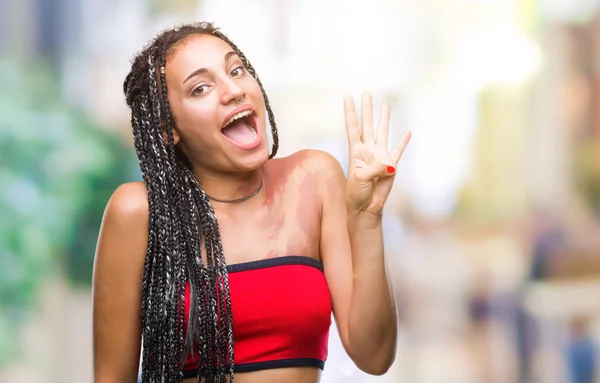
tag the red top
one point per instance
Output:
(281, 310)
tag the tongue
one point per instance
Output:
(239, 132)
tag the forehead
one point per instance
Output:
(198, 51)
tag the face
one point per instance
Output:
(217, 106)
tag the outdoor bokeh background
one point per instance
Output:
(492, 230)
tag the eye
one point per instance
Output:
(200, 90)
(237, 72)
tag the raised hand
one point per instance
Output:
(372, 168)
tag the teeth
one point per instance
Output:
(238, 116)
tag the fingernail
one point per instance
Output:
(391, 169)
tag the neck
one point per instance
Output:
(231, 186)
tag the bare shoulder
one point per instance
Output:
(323, 169)
(123, 236)
(128, 204)
(317, 162)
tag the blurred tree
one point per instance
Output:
(57, 170)
(96, 187)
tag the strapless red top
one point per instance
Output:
(281, 311)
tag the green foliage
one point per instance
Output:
(57, 170)
(96, 187)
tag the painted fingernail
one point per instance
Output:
(391, 169)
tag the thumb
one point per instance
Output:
(376, 170)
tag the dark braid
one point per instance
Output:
(182, 227)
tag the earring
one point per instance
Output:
(241, 99)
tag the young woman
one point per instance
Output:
(226, 262)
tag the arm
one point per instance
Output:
(353, 258)
(117, 286)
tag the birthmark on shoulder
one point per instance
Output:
(308, 201)
(279, 173)
(275, 226)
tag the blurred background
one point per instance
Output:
(492, 230)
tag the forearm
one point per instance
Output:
(372, 323)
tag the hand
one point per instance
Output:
(371, 169)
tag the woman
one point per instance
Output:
(224, 253)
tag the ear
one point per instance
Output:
(176, 136)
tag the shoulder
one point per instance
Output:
(123, 238)
(327, 170)
(125, 221)
(316, 168)
(128, 205)
(324, 169)
(317, 162)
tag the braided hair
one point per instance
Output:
(182, 228)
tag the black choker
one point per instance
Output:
(236, 200)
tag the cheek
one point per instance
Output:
(257, 94)
(196, 123)
(259, 102)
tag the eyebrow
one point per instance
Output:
(204, 70)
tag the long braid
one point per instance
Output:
(182, 228)
(160, 315)
(147, 285)
(151, 267)
(180, 263)
(173, 264)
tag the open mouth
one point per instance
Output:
(241, 127)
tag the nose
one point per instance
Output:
(232, 91)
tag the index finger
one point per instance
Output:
(352, 129)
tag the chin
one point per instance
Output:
(253, 161)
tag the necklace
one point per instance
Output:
(236, 200)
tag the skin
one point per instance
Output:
(306, 207)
